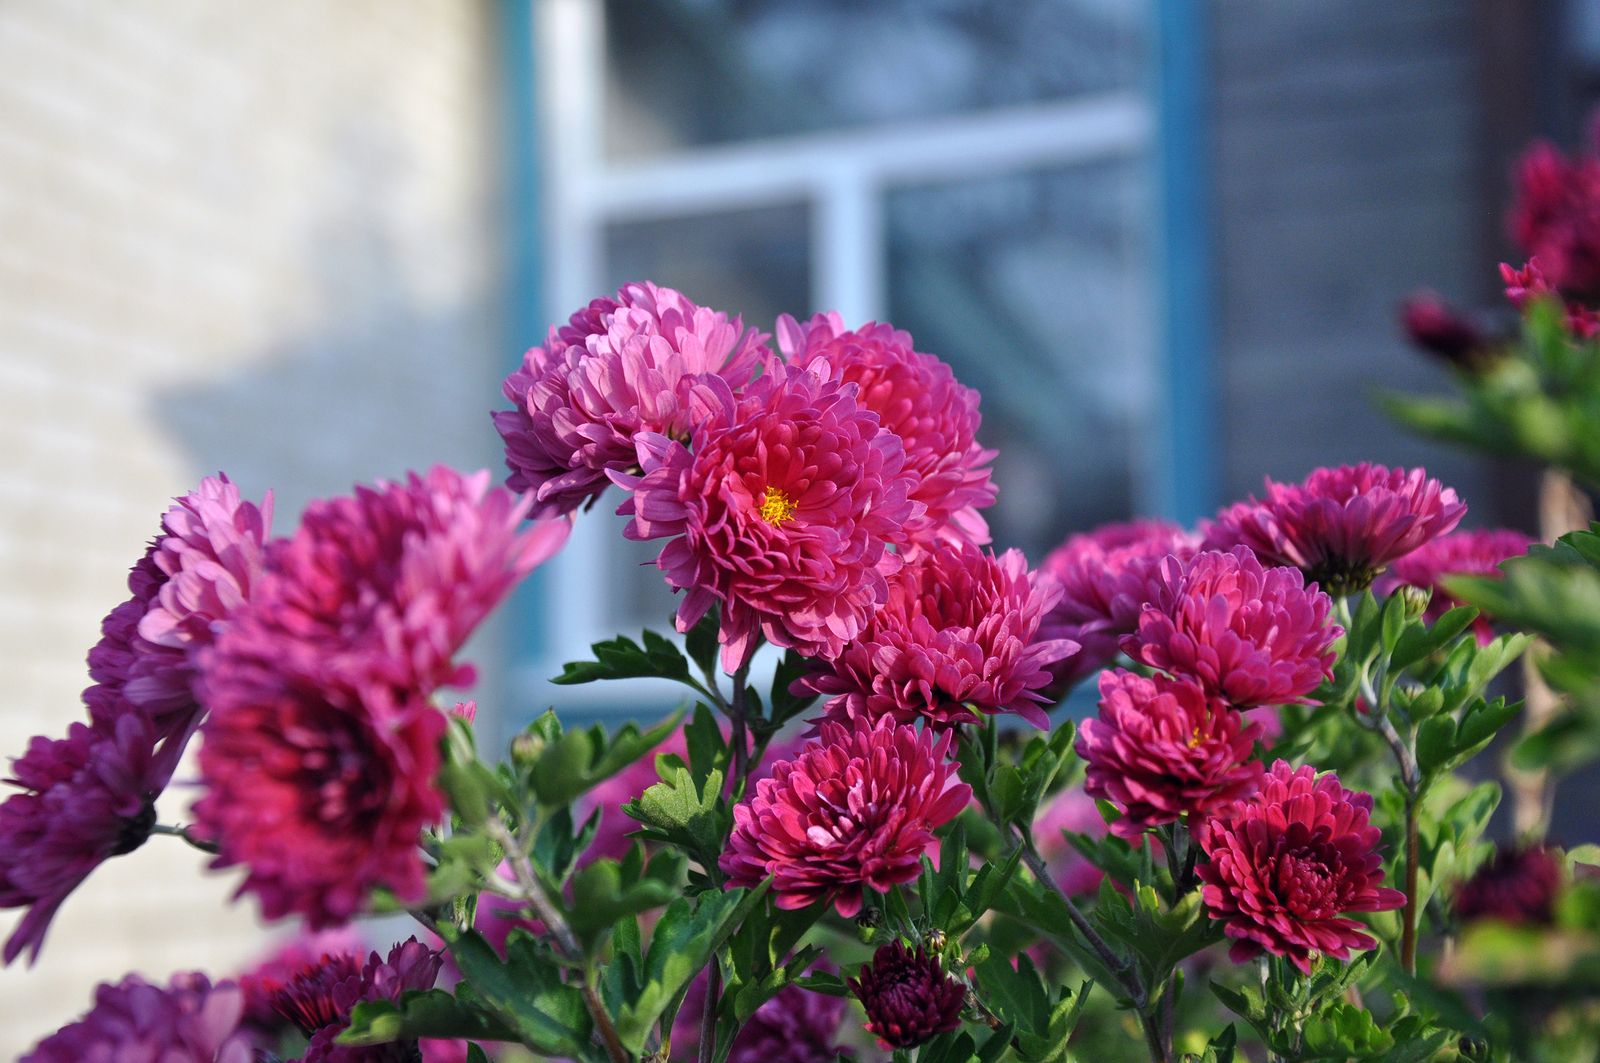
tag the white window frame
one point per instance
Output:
(842, 176)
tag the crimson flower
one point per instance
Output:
(908, 996)
(1162, 749)
(322, 742)
(1529, 284)
(1106, 577)
(616, 369)
(1518, 884)
(917, 397)
(959, 632)
(187, 1021)
(1249, 635)
(1555, 215)
(1342, 526)
(781, 508)
(857, 807)
(1285, 867)
(1452, 336)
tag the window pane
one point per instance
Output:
(1030, 286)
(754, 263)
(695, 72)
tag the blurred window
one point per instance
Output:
(976, 171)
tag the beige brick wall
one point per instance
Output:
(233, 234)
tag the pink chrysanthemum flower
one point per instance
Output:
(918, 398)
(1075, 811)
(960, 632)
(1249, 635)
(1106, 576)
(781, 509)
(199, 569)
(1462, 553)
(1161, 750)
(858, 807)
(187, 1021)
(1284, 868)
(1519, 884)
(319, 998)
(85, 798)
(322, 743)
(1343, 526)
(615, 370)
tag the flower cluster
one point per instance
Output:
(858, 807)
(1286, 866)
(317, 1000)
(91, 795)
(322, 743)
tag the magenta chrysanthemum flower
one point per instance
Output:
(959, 632)
(85, 798)
(1161, 750)
(1106, 576)
(858, 807)
(1284, 867)
(1341, 527)
(796, 1026)
(918, 398)
(1462, 553)
(615, 370)
(200, 568)
(318, 999)
(781, 509)
(1518, 884)
(1555, 215)
(262, 982)
(1449, 334)
(322, 743)
(1249, 635)
(188, 1021)
(1528, 284)
(907, 996)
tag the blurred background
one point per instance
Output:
(303, 241)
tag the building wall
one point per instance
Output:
(1347, 147)
(255, 237)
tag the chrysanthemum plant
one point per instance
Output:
(1264, 841)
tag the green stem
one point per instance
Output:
(534, 894)
(183, 832)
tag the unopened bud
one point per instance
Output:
(1414, 600)
(934, 941)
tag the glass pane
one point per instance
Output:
(1031, 287)
(754, 263)
(695, 72)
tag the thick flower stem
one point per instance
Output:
(533, 892)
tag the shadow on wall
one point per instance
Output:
(375, 380)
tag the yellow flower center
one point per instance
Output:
(776, 507)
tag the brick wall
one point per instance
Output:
(236, 235)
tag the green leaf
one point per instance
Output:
(1342, 1031)
(600, 898)
(525, 992)
(426, 1013)
(622, 658)
(684, 940)
(681, 813)
(577, 761)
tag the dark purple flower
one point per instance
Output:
(85, 798)
(796, 1026)
(319, 998)
(1434, 326)
(188, 1021)
(1248, 634)
(908, 996)
(1285, 867)
(1517, 885)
